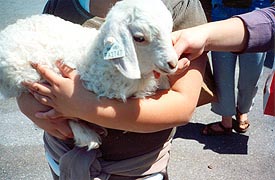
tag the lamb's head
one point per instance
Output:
(138, 38)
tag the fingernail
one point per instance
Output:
(38, 115)
(59, 62)
(34, 65)
(187, 63)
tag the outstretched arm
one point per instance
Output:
(227, 35)
(166, 109)
(250, 32)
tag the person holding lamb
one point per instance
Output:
(140, 131)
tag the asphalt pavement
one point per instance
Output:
(249, 156)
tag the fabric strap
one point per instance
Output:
(78, 163)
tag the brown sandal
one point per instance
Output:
(209, 131)
(238, 124)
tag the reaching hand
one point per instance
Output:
(189, 43)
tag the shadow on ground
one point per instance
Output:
(230, 144)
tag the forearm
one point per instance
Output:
(166, 109)
(250, 32)
(140, 115)
(227, 35)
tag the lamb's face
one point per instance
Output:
(154, 47)
(140, 33)
(151, 33)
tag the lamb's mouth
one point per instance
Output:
(156, 74)
(165, 70)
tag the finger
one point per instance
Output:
(193, 56)
(58, 135)
(51, 114)
(43, 99)
(183, 65)
(65, 70)
(43, 89)
(64, 128)
(66, 132)
(179, 45)
(50, 76)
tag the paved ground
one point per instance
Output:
(194, 157)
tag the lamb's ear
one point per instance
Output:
(121, 51)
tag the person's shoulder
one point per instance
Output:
(186, 13)
(50, 6)
(69, 10)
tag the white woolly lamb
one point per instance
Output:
(116, 61)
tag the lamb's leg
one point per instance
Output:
(84, 135)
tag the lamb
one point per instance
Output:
(119, 60)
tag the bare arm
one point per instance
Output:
(227, 35)
(166, 109)
(250, 32)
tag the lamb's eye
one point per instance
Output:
(139, 38)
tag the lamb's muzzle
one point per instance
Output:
(172, 64)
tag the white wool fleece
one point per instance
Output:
(40, 39)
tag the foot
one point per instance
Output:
(216, 129)
(241, 124)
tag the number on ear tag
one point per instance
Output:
(113, 50)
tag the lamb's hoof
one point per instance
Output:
(93, 145)
(84, 136)
(92, 142)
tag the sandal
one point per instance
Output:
(238, 124)
(208, 130)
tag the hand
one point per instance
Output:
(56, 127)
(63, 93)
(189, 43)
